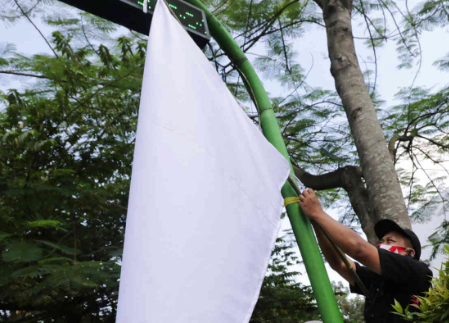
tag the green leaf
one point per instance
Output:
(60, 247)
(44, 224)
(22, 252)
(4, 235)
(33, 271)
(397, 306)
(55, 259)
(445, 315)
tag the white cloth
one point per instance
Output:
(205, 203)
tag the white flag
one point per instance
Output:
(205, 202)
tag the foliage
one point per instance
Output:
(282, 299)
(351, 307)
(440, 238)
(66, 148)
(312, 120)
(423, 138)
(434, 305)
(67, 138)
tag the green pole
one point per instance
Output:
(300, 223)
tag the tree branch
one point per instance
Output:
(263, 24)
(372, 44)
(38, 30)
(104, 84)
(215, 11)
(284, 48)
(434, 142)
(392, 144)
(23, 74)
(350, 179)
(28, 12)
(319, 182)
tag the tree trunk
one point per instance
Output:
(359, 198)
(383, 187)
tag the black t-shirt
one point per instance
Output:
(401, 278)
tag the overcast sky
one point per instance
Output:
(311, 47)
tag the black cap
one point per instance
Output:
(382, 227)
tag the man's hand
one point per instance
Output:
(349, 242)
(309, 204)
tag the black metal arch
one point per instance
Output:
(129, 13)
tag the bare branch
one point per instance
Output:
(28, 12)
(372, 44)
(325, 181)
(434, 142)
(216, 12)
(38, 30)
(23, 74)
(284, 48)
(392, 144)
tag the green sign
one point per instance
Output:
(129, 13)
(191, 17)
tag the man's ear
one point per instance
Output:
(411, 252)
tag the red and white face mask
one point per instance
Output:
(394, 249)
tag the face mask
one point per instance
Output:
(394, 249)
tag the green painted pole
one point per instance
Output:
(300, 223)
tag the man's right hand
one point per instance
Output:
(310, 204)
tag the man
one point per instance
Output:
(390, 272)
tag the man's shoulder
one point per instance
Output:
(427, 272)
(424, 267)
(420, 265)
(404, 270)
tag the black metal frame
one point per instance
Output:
(131, 15)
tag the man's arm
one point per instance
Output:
(332, 256)
(348, 241)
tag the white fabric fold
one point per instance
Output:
(205, 202)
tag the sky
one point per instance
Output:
(312, 47)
